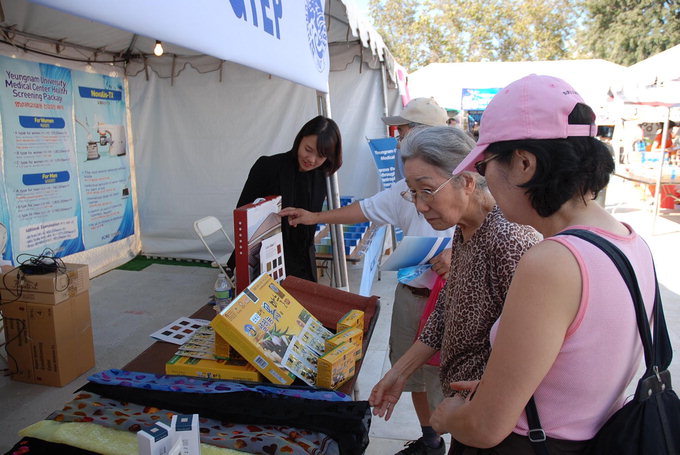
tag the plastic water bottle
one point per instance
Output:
(223, 292)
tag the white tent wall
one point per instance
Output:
(194, 137)
(197, 140)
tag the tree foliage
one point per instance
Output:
(419, 32)
(427, 31)
(627, 31)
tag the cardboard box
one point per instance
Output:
(352, 335)
(353, 318)
(49, 344)
(186, 434)
(50, 288)
(155, 440)
(337, 366)
(212, 369)
(260, 323)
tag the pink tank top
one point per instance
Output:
(602, 350)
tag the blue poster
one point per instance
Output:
(39, 163)
(476, 99)
(103, 158)
(384, 151)
(372, 258)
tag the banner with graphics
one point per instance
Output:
(103, 161)
(476, 99)
(384, 151)
(281, 37)
(48, 187)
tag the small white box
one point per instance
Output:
(185, 429)
(155, 440)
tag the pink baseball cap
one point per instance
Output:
(534, 107)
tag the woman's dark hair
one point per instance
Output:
(328, 142)
(564, 167)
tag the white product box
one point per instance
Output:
(185, 429)
(155, 440)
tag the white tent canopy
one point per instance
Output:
(593, 79)
(198, 122)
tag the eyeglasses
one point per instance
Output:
(480, 166)
(424, 195)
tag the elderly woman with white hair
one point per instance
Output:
(486, 250)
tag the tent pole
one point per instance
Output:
(657, 186)
(383, 73)
(340, 278)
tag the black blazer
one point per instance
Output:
(279, 175)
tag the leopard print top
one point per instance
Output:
(472, 299)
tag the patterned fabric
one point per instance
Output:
(346, 422)
(33, 446)
(198, 385)
(266, 439)
(481, 271)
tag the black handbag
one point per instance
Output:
(650, 422)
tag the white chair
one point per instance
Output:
(205, 228)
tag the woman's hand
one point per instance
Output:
(441, 263)
(386, 393)
(442, 415)
(298, 216)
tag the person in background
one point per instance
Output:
(417, 112)
(669, 147)
(389, 207)
(485, 250)
(299, 176)
(568, 334)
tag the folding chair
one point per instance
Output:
(206, 227)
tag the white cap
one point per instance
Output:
(425, 111)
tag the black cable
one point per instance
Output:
(22, 327)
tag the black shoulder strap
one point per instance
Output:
(657, 349)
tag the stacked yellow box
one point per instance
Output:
(351, 335)
(336, 366)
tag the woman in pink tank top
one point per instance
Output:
(567, 333)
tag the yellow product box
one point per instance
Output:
(260, 323)
(222, 350)
(212, 369)
(351, 335)
(353, 318)
(337, 366)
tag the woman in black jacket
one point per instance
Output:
(299, 176)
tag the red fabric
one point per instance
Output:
(429, 307)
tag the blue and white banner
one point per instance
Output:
(372, 257)
(476, 99)
(103, 158)
(286, 38)
(39, 165)
(65, 184)
(384, 151)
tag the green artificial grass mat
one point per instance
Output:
(142, 262)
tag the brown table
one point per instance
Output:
(670, 182)
(326, 304)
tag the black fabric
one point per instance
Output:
(280, 175)
(347, 422)
(516, 444)
(650, 423)
(33, 446)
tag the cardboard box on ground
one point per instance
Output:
(49, 288)
(49, 337)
